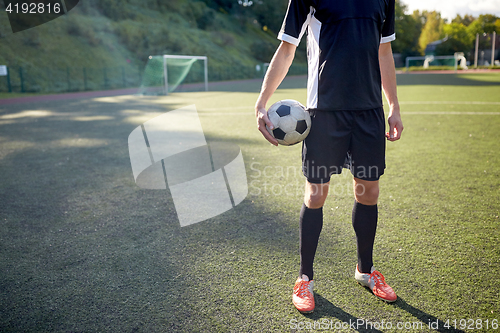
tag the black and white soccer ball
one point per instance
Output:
(291, 122)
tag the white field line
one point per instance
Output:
(429, 113)
(401, 102)
(210, 114)
(226, 108)
(450, 102)
(403, 113)
(207, 111)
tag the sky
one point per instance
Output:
(450, 8)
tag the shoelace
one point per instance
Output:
(303, 288)
(378, 278)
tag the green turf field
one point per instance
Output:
(83, 249)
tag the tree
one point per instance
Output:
(459, 39)
(432, 31)
(459, 32)
(222, 5)
(420, 18)
(407, 32)
(270, 14)
(484, 25)
(466, 20)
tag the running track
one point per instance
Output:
(131, 91)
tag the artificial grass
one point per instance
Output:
(84, 249)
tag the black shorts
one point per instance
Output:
(350, 139)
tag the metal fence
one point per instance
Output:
(69, 79)
(32, 79)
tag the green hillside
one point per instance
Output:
(107, 43)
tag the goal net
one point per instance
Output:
(429, 62)
(164, 74)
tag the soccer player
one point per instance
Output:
(350, 62)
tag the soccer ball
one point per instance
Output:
(291, 122)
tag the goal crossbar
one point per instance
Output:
(184, 57)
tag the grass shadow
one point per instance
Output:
(248, 85)
(448, 79)
(428, 320)
(85, 249)
(325, 310)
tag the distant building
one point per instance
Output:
(430, 49)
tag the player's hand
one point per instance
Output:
(262, 121)
(395, 125)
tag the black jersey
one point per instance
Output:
(343, 38)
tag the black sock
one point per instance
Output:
(364, 222)
(311, 223)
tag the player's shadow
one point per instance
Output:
(326, 310)
(427, 319)
(443, 80)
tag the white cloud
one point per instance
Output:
(485, 5)
(450, 8)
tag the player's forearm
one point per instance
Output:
(388, 73)
(278, 68)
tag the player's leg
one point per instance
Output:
(368, 159)
(364, 221)
(310, 225)
(323, 154)
(368, 154)
(319, 161)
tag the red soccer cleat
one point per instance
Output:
(376, 282)
(303, 297)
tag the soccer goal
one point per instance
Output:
(456, 60)
(164, 73)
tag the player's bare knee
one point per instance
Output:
(315, 195)
(366, 192)
(314, 202)
(368, 199)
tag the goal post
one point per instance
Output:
(164, 73)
